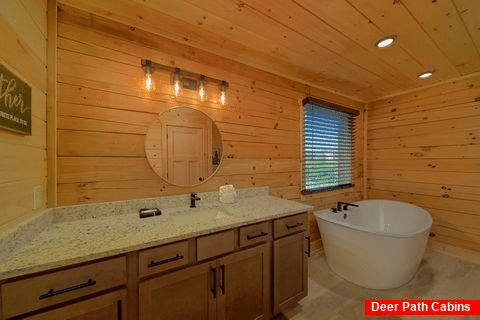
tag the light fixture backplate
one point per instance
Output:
(190, 84)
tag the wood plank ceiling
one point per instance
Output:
(327, 44)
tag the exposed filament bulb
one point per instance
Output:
(148, 82)
(201, 88)
(223, 92)
(176, 82)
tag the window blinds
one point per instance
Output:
(328, 141)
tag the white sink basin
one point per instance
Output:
(187, 215)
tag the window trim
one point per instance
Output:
(328, 105)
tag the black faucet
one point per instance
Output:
(345, 205)
(193, 198)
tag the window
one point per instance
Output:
(328, 140)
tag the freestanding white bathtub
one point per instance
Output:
(378, 245)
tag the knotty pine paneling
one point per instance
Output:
(252, 38)
(447, 30)
(104, 112)
(323, 43)
(23, 160)
(423, 148)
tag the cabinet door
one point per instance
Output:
(290, 270)
(244, 285)
(110, 306)
(186, 294)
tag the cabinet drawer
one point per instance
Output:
(215, 244)
(256, 233)
(110, 306)
(288, 225)
(163, 258)
(42, 291)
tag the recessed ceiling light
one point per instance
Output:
(425, 75)
(385, 42)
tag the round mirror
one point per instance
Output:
(184, 146)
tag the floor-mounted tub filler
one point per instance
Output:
(378, 244)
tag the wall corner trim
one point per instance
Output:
(52, 103)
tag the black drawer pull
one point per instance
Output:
(52, 293)
(257, 235)
(222, 284)
(308, 252)
(291, 226)
(157, 263)
(214, 276)
(119, 310)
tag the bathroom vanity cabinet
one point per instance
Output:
(290, 269)
(247, 272)
(235, 286)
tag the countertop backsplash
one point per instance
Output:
(13, 239)
(96, 210)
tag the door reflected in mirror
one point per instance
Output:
(184, 146)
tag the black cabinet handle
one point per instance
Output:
(222, 285)
(291, 226)
(256, 235)
(52, 293)
(119, 310)
(214, 275)
(308, 249)
(157, 263)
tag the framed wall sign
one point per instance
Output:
(15, 103)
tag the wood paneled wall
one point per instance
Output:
(104, 111)
(423, 148)
(23, 164)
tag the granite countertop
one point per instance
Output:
(70, 242)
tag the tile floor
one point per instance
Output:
(440, 276)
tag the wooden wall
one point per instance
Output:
(104, 111)
(23, 164)
(424, 148)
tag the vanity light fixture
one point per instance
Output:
(385, 42)
(148, 75)
(425, 75)
(223, 92)
(185, 79)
